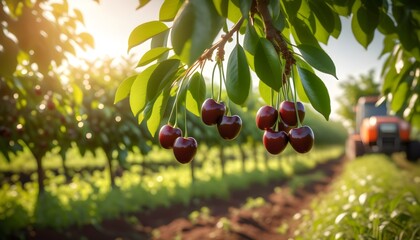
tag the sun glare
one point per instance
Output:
(110, 23)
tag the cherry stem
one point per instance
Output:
(272, 97)
(220, 65)
(186, 123)
(222, 70)
(212, 80)
(295, 101)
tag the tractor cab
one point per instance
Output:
(377, 131)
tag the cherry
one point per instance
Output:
(301, 139)
(229, 127)
(275, 142)
(212, 112)
(38, 90)
(284, 127)
(266, 117)
(185, 149)
(168, 135)
(50, 105)
(288, 112)
(5, 132)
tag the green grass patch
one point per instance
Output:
(89, 200)
(372, 199)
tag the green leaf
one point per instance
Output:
(144, 32)
(169, 9)
(162, 76)
(196, 94)
(238, 77)
(152, 55)
(87, 39)
(267, 64)
(222, 7)
(159, 106)
(234, 11)
(363, 24)
(124, 88)
(251, 39)
(318, 58)
(324, 14)
(142, 3)
(250, 60)
(138, 92)
(265, 92)
(79, 16)
(386, 25)
(194, 29)
(302, 33)
(399, 96)
(299, 87)
(291, 8)
(77, 94)
(343, 7)
(337, 26)
(316, 91)
(160, 40)
(244, 6)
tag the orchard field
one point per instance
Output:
(215, 124)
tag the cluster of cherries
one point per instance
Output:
(184, 148)
(281, 127)
(212, 113)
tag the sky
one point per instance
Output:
(111, 22)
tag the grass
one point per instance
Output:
(88, 199)
(372, 199)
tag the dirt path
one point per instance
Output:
(226, 219)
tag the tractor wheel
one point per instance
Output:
(354, 147)
(413, 151)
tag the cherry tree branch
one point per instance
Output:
(208, 53)
(274, 36)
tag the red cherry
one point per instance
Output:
(5, 132)
(212, 112)
(229, 127)
(266, 117)
(38, 90)
(301, 139)
(50, 105)
(185, 149)
(288, 112)
(284, 127)
(168, 135)
(275, 142)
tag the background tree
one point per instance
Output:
(352, 89)
(36, 38)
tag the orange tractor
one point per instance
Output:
(377, 131)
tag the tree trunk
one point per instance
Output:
(111, 172)
(255, 152)
(41, 174)
(266, 157)
(222, 159)
(192, 163)
(243, 157)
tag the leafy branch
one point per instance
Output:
(208, 53)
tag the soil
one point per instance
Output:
(276, 218)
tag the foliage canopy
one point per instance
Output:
(281, 44)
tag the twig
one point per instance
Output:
(275, 37)
(208, 53)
